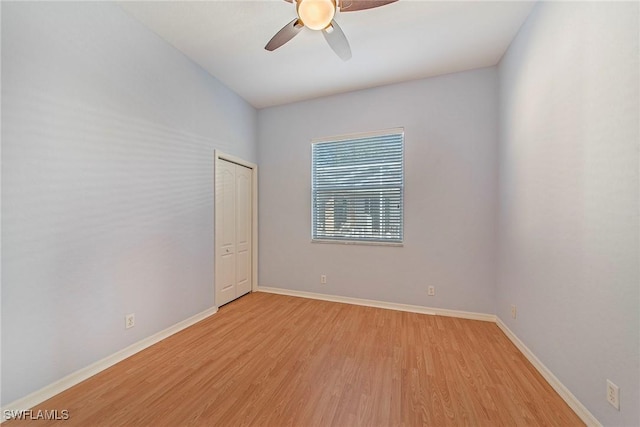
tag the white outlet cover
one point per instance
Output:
(613, 395)
(129, 321)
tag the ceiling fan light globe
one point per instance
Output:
(316, 14)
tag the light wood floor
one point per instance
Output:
(274, 360)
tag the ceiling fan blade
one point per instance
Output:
(287, 32)
(337, 40)
(355, 5)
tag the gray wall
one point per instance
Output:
(451, 132)
(107, 185)
(568, 213)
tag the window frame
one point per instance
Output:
(354, 136)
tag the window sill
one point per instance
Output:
(357, 242)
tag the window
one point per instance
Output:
(357, 188)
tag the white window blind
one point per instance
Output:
(358, 188)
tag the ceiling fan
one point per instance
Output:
(318, 15)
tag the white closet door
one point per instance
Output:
(243, 230)
(225, 232)
(233, 231)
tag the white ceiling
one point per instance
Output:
(401, 41)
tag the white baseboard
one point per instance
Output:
(76, 377)
(381, 304)
(560, 388)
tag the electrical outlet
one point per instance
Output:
(431, 291)
(129, 321)
(323, 279)
(613, 395)
(514, 313)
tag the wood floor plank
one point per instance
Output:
(273, 360)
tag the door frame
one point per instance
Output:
(219, 155)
